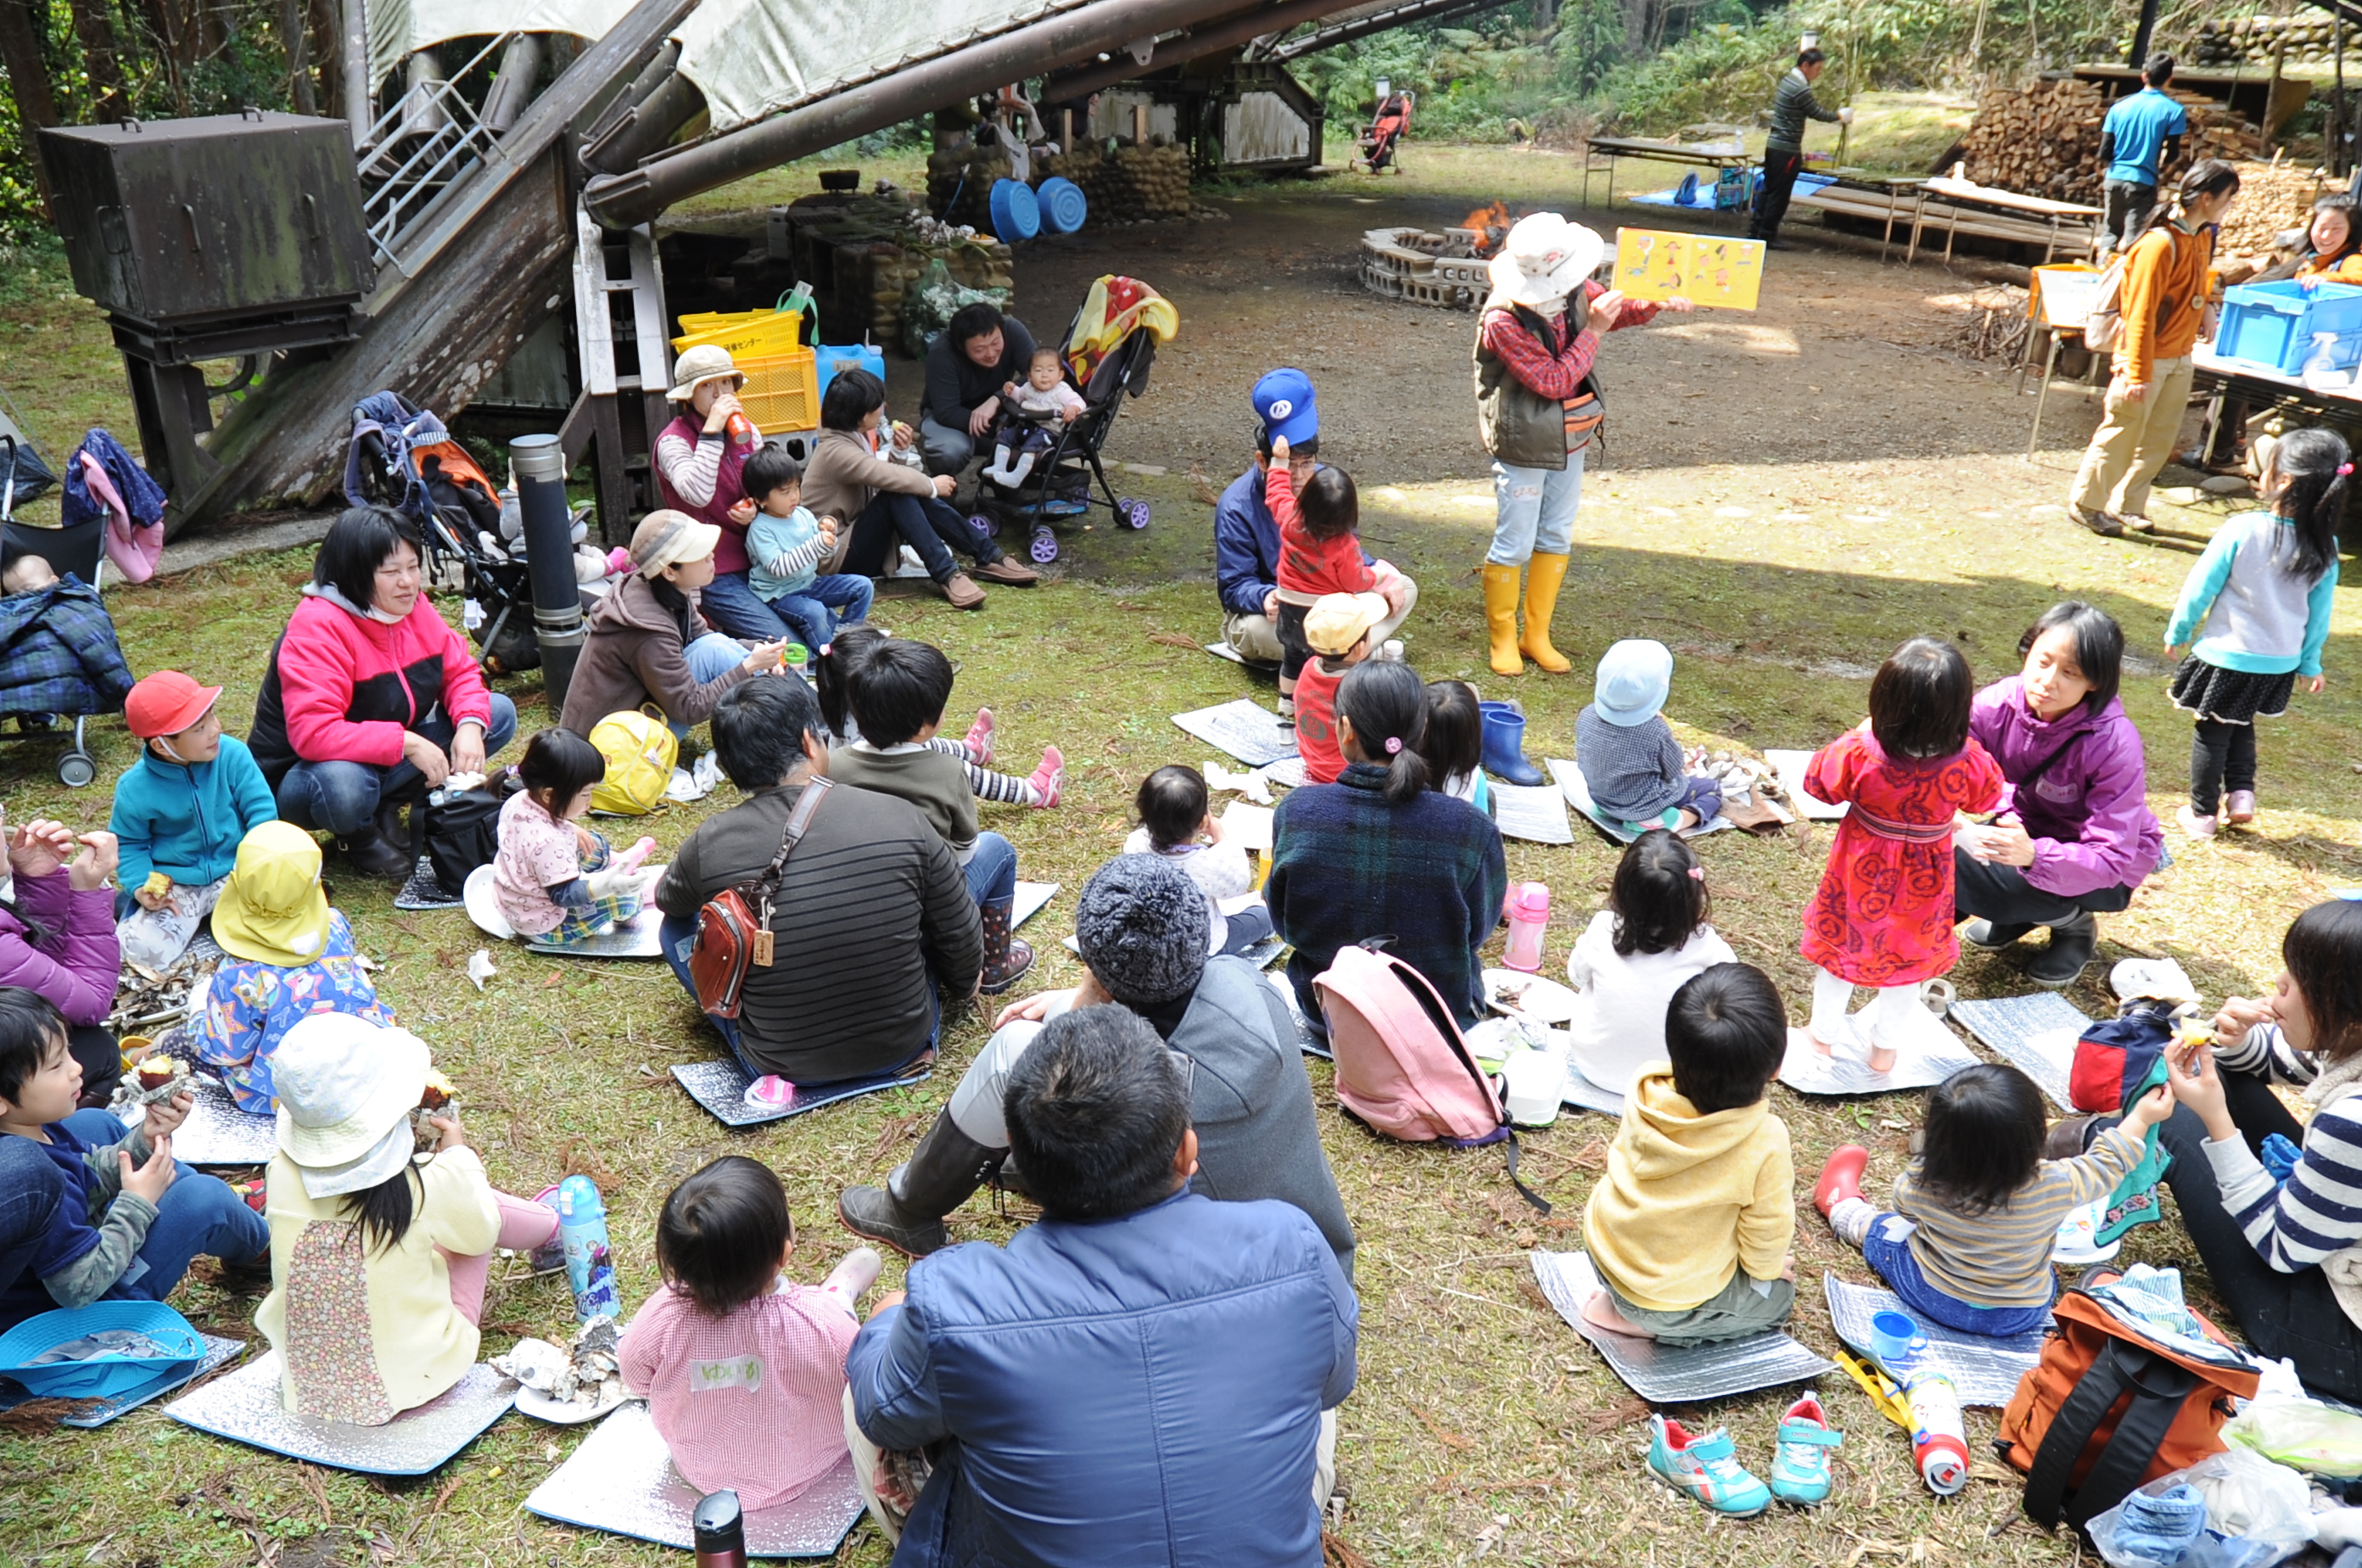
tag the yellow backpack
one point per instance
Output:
(640, 752)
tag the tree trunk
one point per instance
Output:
(29, 81)
(325, 22)
(299, 65)
(111, 101)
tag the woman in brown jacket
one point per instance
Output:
(2163, 302)
(880, 506)
(648, 642)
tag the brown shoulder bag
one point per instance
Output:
(733, 927)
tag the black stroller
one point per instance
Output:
(1057, 488)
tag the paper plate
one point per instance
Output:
(484, 906)
(1522, 995)
(1064, 205)
(1016, 212)
(564, 1412)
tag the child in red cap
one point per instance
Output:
(179, 812)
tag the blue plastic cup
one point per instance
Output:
(1891, 1335)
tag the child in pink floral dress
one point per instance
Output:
(1882, 915)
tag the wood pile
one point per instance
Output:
(2273, 197)
(2044, 140)
(2310, 39)
(1129, 185)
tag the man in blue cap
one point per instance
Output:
(1246, 536)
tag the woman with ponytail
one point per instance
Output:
(2163, 303)
(2257, 605)
(1384, 852)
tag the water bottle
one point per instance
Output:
(2321, 371)
(1939, 1443)
(590, 1268)
(721, 1531)
(1528, 915)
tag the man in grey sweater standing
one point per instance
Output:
(1783, 148)
(1142, 926)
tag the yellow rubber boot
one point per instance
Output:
(1501, 617)
(1543, 575)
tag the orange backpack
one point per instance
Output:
(2108, 1409)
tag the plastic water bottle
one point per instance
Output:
(590, 1268)
(1939, 1442)
(721, 1531)
(2321, 372)
(1528, 915)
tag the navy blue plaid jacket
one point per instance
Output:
(58, 653)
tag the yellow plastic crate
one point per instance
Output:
(741, 333)
(783, 391)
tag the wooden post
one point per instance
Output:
(1066, 130)
(1140, 125)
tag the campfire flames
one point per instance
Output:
(1490, 226)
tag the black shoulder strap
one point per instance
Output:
(2157, 1388)
(800, 820)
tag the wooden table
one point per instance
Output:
(1958, 194)
(2259, 388)
(1716, 156)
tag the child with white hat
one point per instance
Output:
(379, 1254)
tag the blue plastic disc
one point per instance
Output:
(1064, 205)
(1015, 214)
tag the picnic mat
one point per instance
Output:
(1031, 897)
(218, 1133)
(1244, 728)
(634, 938)
(1660, 1374)
(1983, 1368)
(1932, 1054)
(622, 1481)
(244, 1407)
(218, 1352)
(1535, 813)
(721, 1087)
(1788, 767)
(2035, 1032)
(1578, 795)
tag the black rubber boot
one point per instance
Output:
(1007, 958)
(374, 855)
(2071, 946)
(1986, 934)
(907, 1213)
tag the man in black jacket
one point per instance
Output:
(847, 994)
(1783, 148)
(967, 365)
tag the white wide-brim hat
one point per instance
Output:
(346, 1087)
(1545, 258)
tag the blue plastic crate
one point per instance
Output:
(2273, 324)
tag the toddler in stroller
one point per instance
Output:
(58, 656)
(1027, 412)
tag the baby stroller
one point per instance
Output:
(58, 656)
(1387, 128)
(401, 457)
(1110, 349)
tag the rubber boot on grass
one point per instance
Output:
(907, 1213)
(1501, 618)
(1007, 958)
(1543, 575)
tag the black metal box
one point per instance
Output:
(183, 224)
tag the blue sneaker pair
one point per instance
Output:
(1705, 1466)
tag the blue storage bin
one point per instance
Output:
(2272, 326)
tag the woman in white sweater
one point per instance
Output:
(1635, 954)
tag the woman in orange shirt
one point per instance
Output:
(2164, 307)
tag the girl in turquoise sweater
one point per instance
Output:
(179, 812)
(2257, 605)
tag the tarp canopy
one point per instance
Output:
(752, 58)
(399, 29)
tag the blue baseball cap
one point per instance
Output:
(1285, 402)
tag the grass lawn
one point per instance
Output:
(1482, 1427)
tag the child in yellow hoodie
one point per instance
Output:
(1690, 1227)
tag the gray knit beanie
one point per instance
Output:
(1143, 927)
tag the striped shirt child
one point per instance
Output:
(2317, 1211)
(2001, 1257)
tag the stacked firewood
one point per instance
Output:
(2044, 140)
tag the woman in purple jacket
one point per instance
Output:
(2074, 832)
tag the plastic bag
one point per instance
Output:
(931, 299)
(2258, 1513)
(2301, 1433)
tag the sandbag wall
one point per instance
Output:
(862, 252)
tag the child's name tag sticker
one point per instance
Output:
(738, 1372)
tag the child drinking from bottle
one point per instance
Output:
(1968, 1241)
(554, 879)
(742, 1369)
(1883, 916)
(2255, 614)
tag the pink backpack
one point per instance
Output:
(1402, 1067)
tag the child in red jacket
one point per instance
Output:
(1320, 553)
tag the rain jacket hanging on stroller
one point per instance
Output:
(102, 483)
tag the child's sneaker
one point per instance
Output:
(1704, 1468)
(1800, 1459)
(1049, 778)
(2193, 825)
(1286, 711)
(979, 738)
(2239, 806)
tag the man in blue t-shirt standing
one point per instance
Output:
(2141, 135)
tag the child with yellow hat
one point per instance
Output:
(290, 956)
